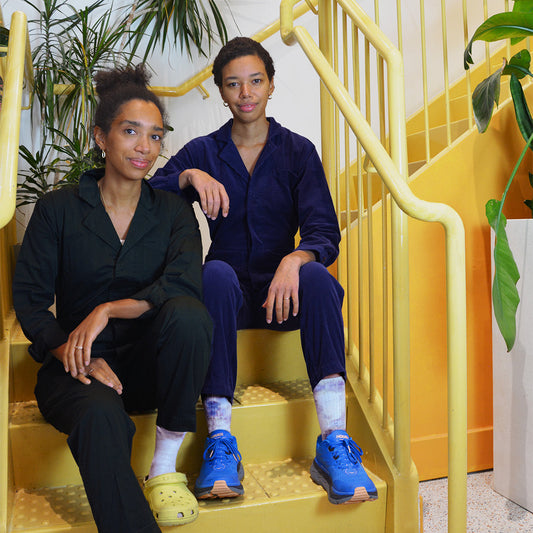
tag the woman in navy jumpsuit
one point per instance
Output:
(259, 184)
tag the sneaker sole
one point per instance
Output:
(221, 490)
(359, 495)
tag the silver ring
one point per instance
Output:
(78, 347)
(288, 298)
(91, 370)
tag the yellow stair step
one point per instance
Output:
(416, 147)
(279, 496)
(284, 409)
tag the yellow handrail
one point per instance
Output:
(393, 171)
(10, 115)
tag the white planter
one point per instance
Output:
(513, 382)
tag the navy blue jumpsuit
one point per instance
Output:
(286, 192)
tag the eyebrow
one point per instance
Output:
(135, 123)
(250, 76)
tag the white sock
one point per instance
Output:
(167, 444)
(217, 413)
(330, 402)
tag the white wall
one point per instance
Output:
(295, 99)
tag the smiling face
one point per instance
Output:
(134, 140)
(246, 88)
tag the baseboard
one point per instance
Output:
(430, 453)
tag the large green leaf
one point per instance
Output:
(523, 6)
(505, 298)
(519, 65)
(523, 116)
(515, 24)
(485, 95)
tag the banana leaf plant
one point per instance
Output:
(516, 25)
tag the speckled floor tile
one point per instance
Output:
(487, 511)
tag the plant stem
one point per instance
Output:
(513, 174)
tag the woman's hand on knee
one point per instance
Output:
(285, 285)
(100, 370)
(283, 289)
(76, 355)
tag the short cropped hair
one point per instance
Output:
(239, 47)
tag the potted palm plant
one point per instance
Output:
(69, 46)
(513, 243)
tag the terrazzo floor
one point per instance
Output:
(487, 511)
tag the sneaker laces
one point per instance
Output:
(218, 450)
(346, 453)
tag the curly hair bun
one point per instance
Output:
(108, 80)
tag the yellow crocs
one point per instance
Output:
(172, 503)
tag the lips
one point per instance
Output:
(140, 163)
(246, 108)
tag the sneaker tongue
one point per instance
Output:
(217, 435)
(340, 435)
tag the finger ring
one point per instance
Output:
(78, 347)
(288, 298)
(90, 371)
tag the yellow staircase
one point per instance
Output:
(274, 418)
(276, 427)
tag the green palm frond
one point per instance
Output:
(188, 23)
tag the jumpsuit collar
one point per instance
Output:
(144, 219)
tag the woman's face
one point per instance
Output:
(246, 88)
(134, 140)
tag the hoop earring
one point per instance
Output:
(103, 154)
(225, 104)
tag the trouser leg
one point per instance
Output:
(223, 298)
(183, 359)
(321, 323)
(166, 368)
(100, 436)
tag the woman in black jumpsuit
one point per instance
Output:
(123, 263)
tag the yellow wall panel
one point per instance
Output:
(475, 169)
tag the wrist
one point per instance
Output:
(106, 308)
(301, 257)
(185, 179)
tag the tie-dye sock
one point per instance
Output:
(217, 413)
(330, 402)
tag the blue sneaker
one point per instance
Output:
(337, 467)
(222, 472)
